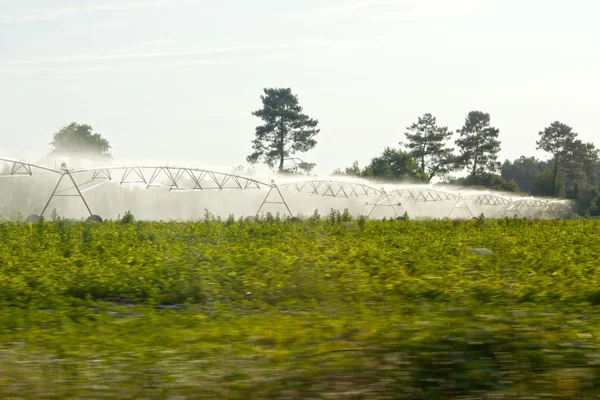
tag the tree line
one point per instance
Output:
(571, 164)
(430, 153)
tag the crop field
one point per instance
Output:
(328, 308)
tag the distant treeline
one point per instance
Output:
(430, 154)
(571, 170)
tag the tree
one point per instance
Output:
(393, 164)
(478, 144)
(591, 164)
(354, 170)
(523, 171)
(544, 185)
(560, 141)
(76, 139)
(426, 142)
(581, 162)
(299, 167)
(285, 132)
(488, 181)
(588, 203)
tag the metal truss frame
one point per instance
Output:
(66, 192)
(151, 177)
(195, 179)
(553, 206)
(172, 178)
(18, 168)
(481, 199)
(547, 206)
(488, 199)
(387, 201)
(331, 188)
(461, 204)
(530, 203)
(423, 195)
(345, 189)
(276, 198)
(180, 179)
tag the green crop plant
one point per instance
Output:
(324, 308)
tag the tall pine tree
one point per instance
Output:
(478, 144)
(285, 132)
(559, 140)
(427, 141)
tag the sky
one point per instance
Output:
(177, 80)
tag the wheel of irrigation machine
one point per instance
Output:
(95, 219)
(33, 218)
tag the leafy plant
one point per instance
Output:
(230, 309)
(127, 218)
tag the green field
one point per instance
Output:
(318, 309)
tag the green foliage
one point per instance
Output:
(299, 167)
(478, 144)
(230, 220)
(54, 216)
(543, 185)
(573, 168)
(393, 165)
(427, 144)
(285, 132)
(346, 216)
(572, 160)
(556, 139)
(106, 261)
(315, 217)
(362, 222)
(581, 166)
(572, 172)
(127, 218)
(588, 201)
(278, 310)
(208, 216)
(78, 139)
(559, 140)
(523, 172)
(488, 181)
(354, 170)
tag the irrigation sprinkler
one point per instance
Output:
(384, 200)
(274, 196)
(68, 192)
(77, 183)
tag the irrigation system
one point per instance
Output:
(78, 182)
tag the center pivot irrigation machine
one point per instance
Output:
(77, 182)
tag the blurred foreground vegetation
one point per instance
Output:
(325, 308)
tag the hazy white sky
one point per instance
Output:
(178, 79)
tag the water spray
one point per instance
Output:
(393, 199)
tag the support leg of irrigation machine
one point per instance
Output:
(278, 199)
(510, 207)
(461, 204)
(381, 202)
(61, 193)
(549, 209)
